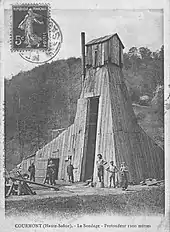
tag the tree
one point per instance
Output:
(127, 62)
(134, 59)
(145, 55)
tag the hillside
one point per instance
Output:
(45, 98)
(37, 102)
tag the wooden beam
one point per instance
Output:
(31, 182)
(28, 189)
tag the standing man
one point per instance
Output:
(51, 172)
(47, 178)
(112, 169)
(100, 169)
(70, 169)
(124, 176)
(31, 169)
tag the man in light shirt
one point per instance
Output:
(112, 169)
(100, 168)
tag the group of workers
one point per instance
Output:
(50, 174)
(114, 172)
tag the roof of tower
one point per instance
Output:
(103, 39)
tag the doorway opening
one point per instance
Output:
(90, 142)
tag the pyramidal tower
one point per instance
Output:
(105, 122)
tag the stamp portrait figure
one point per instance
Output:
(31, 39)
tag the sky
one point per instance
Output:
(135, 28)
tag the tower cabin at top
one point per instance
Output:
(107, 49)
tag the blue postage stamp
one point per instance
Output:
(30, 27)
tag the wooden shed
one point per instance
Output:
(103, 50)
(105, 123)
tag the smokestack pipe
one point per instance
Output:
(83, 56)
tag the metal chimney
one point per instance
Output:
(83, 56)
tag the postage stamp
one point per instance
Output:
(34, 34)
(30, 27)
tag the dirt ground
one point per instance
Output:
(79, 199)
(77, 189)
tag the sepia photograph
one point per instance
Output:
(85, 118)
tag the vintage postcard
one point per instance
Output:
(85, 99)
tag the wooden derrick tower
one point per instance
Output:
(105, 122)
(119, 137)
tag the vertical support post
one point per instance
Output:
(83, 56)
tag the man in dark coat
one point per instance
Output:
(31, 169)
(51, 172)
(70, 169)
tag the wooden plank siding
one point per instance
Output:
(69, 142)
(104, 140)
(124, 117)
(114, 52)
(131, 145)
(125, 133)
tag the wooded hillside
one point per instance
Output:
(45, 98)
